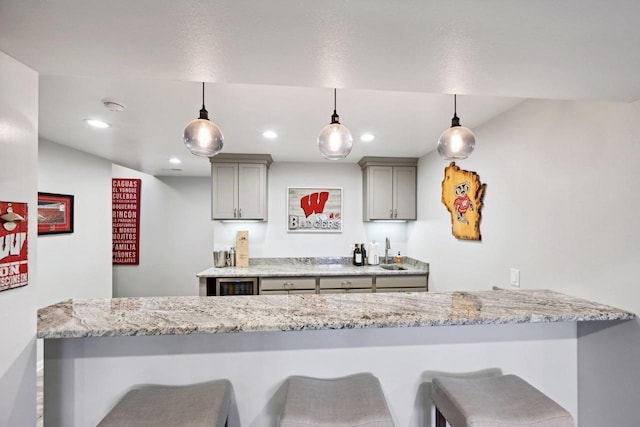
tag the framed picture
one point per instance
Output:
(14, 247)
(55, 213)
(317, 210)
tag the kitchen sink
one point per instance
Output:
(392, 267)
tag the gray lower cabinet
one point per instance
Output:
(287, 285)
(298, 292)
(342, 284)
(347, 284)
(401, 284)
(346, 291)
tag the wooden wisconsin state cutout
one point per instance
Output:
(462, 194)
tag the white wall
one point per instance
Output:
(76, 265)
(177, 235)
(18, 153)
(271, 239)
(558, 174)
(561, 206)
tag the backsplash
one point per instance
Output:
(325, 261)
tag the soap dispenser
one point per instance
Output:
(398, 258)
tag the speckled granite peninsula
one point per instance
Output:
(95, 350)
(211, 315)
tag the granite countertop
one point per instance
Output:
(313, 267)
(229, 314)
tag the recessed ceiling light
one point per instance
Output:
(269, 134)
(97, 123)
(175, 161)
(367, 137)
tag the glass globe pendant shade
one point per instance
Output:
(335, 141)
(203, 138)
(456, 143)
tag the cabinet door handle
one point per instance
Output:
(345, 284)
(287, 285)
(395, 213)
(235, 213)
(391, 213)
(240, 213)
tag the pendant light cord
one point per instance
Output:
(334, 117)
(204, 114)
(454, 105)
(455, 121)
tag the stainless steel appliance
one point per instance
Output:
(236, 286)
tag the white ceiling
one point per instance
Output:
(272, 64)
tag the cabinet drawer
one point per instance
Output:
(401, 281)
(281, 292)
(346, 282)
(346, 291)
(287, 283)
(380, 290)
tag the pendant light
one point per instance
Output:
(335, 140)
(201, 136)
(457, 142)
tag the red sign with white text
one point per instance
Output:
(314, 210)
(14, 260)
(125, 204)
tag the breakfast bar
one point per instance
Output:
(97, 349)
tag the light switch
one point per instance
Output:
(515, 277)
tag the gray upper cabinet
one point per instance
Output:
(389, 188)
(239, 186)
(404, 192)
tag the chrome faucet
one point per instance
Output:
(387, 246)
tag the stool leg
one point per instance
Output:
(440, 421)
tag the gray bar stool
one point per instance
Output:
(494, 401)
(355, 400)
(204, 404)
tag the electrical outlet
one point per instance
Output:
(515, 277)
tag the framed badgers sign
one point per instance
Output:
(314, 210)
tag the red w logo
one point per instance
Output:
(314, 202)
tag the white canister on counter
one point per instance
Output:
(373, 253)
